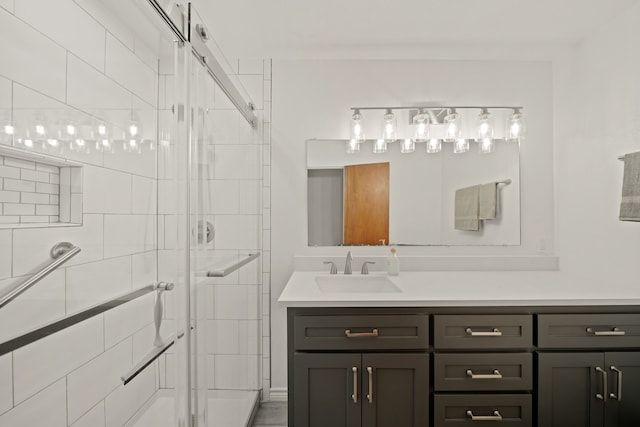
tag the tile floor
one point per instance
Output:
(271, 414)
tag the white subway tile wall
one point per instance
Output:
(72, 61)
(86, 65)
(29, 192)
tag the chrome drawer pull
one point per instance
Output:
(494, 333)
(604, 394)
(354, 396)
(350, 334)
(370, 395)
(495, 417)
(618, 397)
(495, 376)
(615, 332)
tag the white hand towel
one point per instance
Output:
(466, 209)
(630, 204)
(488, 201)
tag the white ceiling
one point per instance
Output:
(304, 28)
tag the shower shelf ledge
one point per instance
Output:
(232, 265)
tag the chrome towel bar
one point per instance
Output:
(68, 321)
(61, 252)
(233, 267)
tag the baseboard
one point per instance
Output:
(278, 394)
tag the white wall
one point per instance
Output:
(60, 61)
(597, 119)
(312, 99)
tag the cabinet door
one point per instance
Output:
(328, 392)
(567, 388)
(623, 405)
(395, 390)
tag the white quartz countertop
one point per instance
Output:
(459, 289)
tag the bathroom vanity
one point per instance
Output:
(429, 349)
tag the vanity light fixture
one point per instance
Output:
(407, 146)
(389, 126)
(434, 125)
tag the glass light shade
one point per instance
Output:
(486, 146)
(421, 127)
(28, 142)
(353, 146)
(407, 146)
(389, 126)
(434, 146)
(460, 146)
(356, 130)
(516, 126)
(380, 146)
(452, 127)
(485, 126)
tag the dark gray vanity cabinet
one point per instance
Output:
(542, 366)
(360, 370)
(588, 371)
(483, 370)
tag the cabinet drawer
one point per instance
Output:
(588, 330)
(483, 331)
(483, 372)
(356, 332)
(482, 410)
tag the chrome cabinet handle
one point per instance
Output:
(495, 417)
(615, 332)
(370, 395)
(354, 396)
(494, 333)
(349, 334)
(495, 376)
(604, 395)
(618, 372)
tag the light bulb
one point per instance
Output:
(407, 146)
(353, 146)
(52, 142)
(40, 130)
(133, 129)
(485, 125)
(9, 129)
(452, 126)
(460, 146)
(102, 129)
(389, 126)
(380, 146)
(356, 131)
(434, 145)
(71, 130)
(516, 126)
(486, 146)
(28, 143)
(421, 126)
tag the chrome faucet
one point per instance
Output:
(347, 264)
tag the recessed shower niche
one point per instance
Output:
(37, 190)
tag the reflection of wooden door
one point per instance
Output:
(366, 204)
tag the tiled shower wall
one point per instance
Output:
(73, 57)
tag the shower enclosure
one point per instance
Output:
(162, 304)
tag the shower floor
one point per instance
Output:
(227, 408)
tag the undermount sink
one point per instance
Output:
(356, 284)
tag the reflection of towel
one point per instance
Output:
(487, 201)
(466, 209)
(630, 205)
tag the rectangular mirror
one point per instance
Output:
(346, 196)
